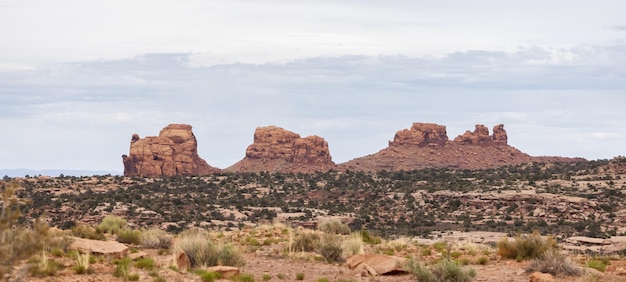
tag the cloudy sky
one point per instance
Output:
(78, 78)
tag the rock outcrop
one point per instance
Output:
(421, 134)
(173, 153)
(278, 150)
(427, 145)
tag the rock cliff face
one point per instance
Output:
(174, 152)
(278, 150)
(427, 145)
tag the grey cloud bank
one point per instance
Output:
(78, 78)
(81, 115)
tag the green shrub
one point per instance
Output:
(129, 236)
(329, 246)
(334, 226)
(426, 252)
(455, 254)
(43, 266)
(202, 252)
(597, 264)
(243, 277)
(209, 276)
(525, 246)
(419, 271)
(353, 245)
(112, 224)
(145, 263)
(555, 263)
(448, 270)
(299, 276)
(156, 238)
(440, 246)
(369, 238)
(444, 270)
(82, 264)
(87, 232)
(304, 242)
(281, 276)
(267, 277)
(323, 279)
(122, 269)
(483, 260)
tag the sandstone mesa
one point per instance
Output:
(274, 149)
(173, 153)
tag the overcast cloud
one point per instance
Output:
(77, 79)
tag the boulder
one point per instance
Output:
(173, 153)
(226, 271)
(97, 247)
(540, 277)
(375, 264)
(278, 150)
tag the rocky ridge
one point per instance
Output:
(278, 150)
(427, 145)
(173, 153)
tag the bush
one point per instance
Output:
(145, 263)
(122, 269)
(353, 245)
(449, 270)
(597, 264)
(334, 226)
(209, 276)
(112, 224)
(82, 264)
(202, 252)
(42, 266)
(369, 238)
(482, 260)
(525, 246)
(156, 238)
(444, 270)
(329, 246)
(267, 277)
(299, 276)
(323, 279)
(243, 277)
(305, 242)
(129, 236)
(87, 232)
(555, 263)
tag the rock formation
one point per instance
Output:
(174, 152)
(481, 137)
(427, 145)
(421, 134)
(278, 150)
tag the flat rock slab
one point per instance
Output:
(107, 248)
(375, 264)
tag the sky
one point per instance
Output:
(78, 78)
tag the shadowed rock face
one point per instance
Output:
(278, 150)
(173, 153)
(427, 145)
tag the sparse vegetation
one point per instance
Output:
(202, 252)
(444, 270)
(156, 238)
(555, 263)
(527, 246)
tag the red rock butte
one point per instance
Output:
(427, 145)
(173, 153)
(278, 150)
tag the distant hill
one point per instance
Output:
(54, 172)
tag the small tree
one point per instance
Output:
(17, 241)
